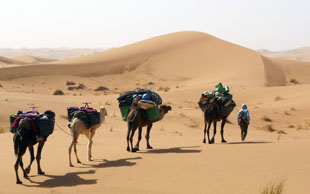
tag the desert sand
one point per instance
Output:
(180, 66)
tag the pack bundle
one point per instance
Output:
(44, 122)
(221, 96)
(148, 100)
(89, 116)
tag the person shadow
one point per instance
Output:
(115, 163)
(176, 150)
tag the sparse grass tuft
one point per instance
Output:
(299, 127)
(274, 188)
(101, 88)
(293, 81)
(2, 130)
(165, 89)
(277, 98)
(290, 126)
(70, 83)
(108, 103)
(286, 112)
(58, 92)
(281, 132)
(150, 83)
(268, 128)
(293, 108)
(6, 100)
(266, 118)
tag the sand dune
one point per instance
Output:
(32, 59)
(8, 61)
(299, 54)
(179, 66)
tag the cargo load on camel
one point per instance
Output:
(89, 116)
(219, 98)
(44, 123)
(148, 100)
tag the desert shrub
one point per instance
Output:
(274, 188)
(58, 92)
(268, 128)
(165, 89)
(277, 98)
(101, 88)
(281, 132)
(266, 118)
(293, 81)
(70, 83)
(150, 83)
(80, 86)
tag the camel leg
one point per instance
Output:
(40, 147)
(204, 133)
(16, 169)
(139, 139)
(214, 132)
(147, 136)
(128, 135)
(208, 131)
(30, 148)
(131, 138)
(22, 166)
(70, 149)
(90, 144)
(75, 152)
(222, 130)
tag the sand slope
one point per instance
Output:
(32, 59)
(180, 66)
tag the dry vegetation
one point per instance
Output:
(79, 87)
(274, 188)
(165, 89)
(277, 98)
(268, 128)
(2, 130)
(293, 81)
(58, 92)
(101, 88)
(70, 83)
(266, 118)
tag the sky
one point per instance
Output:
(256, 24)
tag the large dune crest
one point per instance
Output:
(185, 55)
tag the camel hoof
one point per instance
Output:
(134, 150)
(19, 182)
(128, 149)
(149, 147)
(137, 149)
(90, 159)
(79, 162)
(26, 176)
(71, 165)
(41, 172)
(204, 141)
(27, 170)
(224, 141)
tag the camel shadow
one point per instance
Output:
(177, 150)
(115, 163)
(67, 180)
(249, 142)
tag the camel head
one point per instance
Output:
(103, 111)
(165, 108)
(50, 113)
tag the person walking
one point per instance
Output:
(243, 121)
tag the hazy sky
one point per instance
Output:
(269, 24)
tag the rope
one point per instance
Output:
(118, 119)
(63, 129)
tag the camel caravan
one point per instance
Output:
(139, 108)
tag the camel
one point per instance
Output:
(23, 139)
(78, 127)
(212, 114)
(138, 122)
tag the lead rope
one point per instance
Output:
(63, 129)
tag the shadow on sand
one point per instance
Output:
(177, 150)
(74, 179)
(249, 142)
(67, 180)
